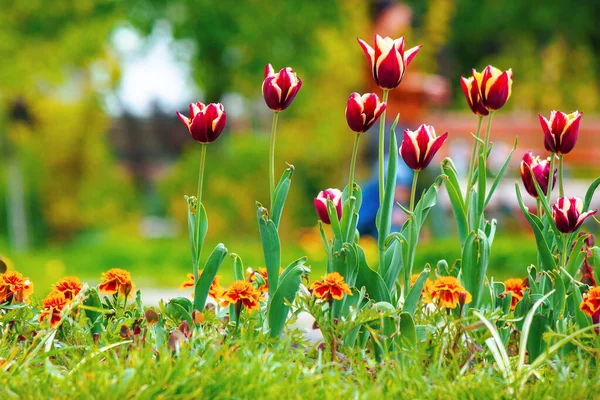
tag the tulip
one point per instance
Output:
(471, 90)
(321, 204)
(279, 89)
(541, 172)
(205, 122)
(388, 60)
(560, 131)
(418, 147)
(494, 87)
(363, 111)
(568, 214)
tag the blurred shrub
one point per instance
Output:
(72, 179)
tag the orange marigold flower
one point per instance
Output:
(426, 288)
(215, 291)
(263, 273)
(14, 286)
(70, 286)
(591, 301)
(331, 286)
(242, 293)
(53, 304)
(447, 289)
(116, 280)
(516, 286)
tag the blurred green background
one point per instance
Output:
(95, 163)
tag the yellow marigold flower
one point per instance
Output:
(14, 286)
(70, 286)
(242, 293)
(447, 289)
(591, 301)
(516, 286)
(426, 288)
(116, 280)
(215, 291)
(53, 304)
(331, 286)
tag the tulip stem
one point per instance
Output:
(550, 178)
(381, 145)
(272, 158)
(413, 191)
(353, 163)
(199, 207)
(539, 207)
(564, 252)
(561, 189)
(470, 180)
(487, 138)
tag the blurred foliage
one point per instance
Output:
(235, 39)
(71, 181)
(552, 47)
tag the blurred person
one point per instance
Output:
(410, 99)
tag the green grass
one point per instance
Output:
(254, 369)
(165, 262)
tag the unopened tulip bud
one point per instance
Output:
(124, 332)
(363, 111)
(418, 147)
(568, 214)
(321, 204)
(388, 60)
(541, 172)
(151, 316)
(279, 89)
(471, 90)
(494, 85)
(560, 131)
(205, 122)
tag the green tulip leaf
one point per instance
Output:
(208, 275)
(269, 238)
(281, 193)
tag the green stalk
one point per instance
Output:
(272, 158)
(470, 180)
(550, 178)
(561, 189)
(538, 202)
(199, 203)
(353, 163)
(487, 138)
(381, 145)
(564, 252)
(483, 168)
(413, 191)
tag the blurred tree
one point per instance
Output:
(552, 47)
(70, 180)
(234, 39)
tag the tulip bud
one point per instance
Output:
(560, 131)
(388, 60)
(568, 214)
(279, 89)
(205, 122)
(494, 86)
(541, 172)
(151, 316)
(418, 147)
(363, 111)
(471, 90)
(321, 204)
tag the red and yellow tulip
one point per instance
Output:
(388, 60)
